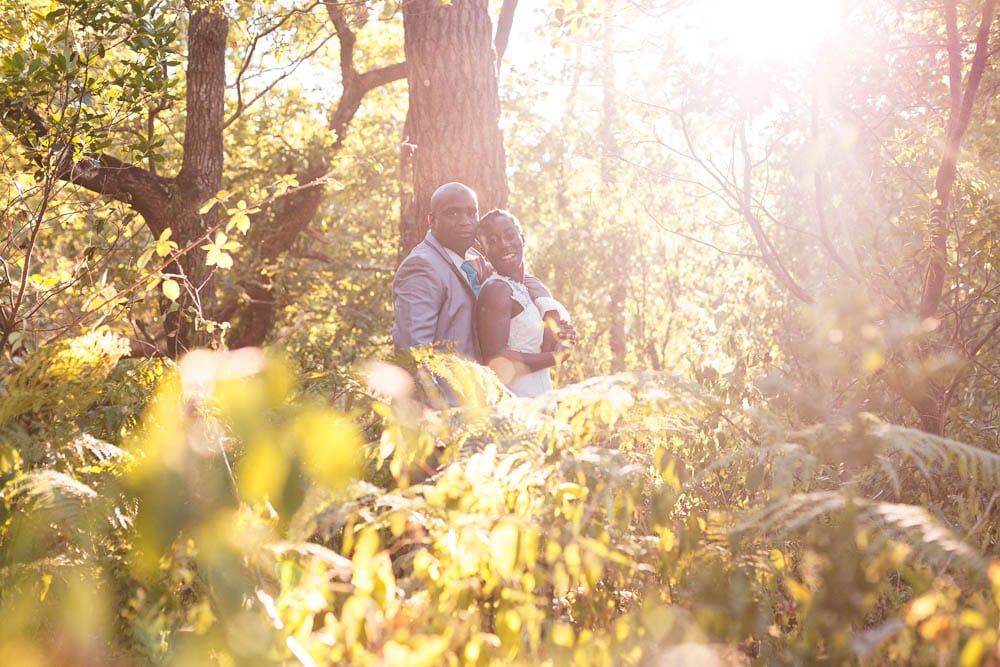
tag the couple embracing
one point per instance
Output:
(481, 305)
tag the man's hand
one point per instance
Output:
(566, 334)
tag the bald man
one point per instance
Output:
(435, 288)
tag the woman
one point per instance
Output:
(515, 338)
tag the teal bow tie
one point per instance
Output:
(473, 277)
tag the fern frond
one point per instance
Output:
(450, 379)
(934, 455)
(61, 378)
(787, 452)
(930, 541)
(50, 491)
(792, 513)
(335, 565)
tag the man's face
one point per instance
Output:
(454, 219)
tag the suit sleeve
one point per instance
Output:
(416, 302)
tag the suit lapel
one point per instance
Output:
(440, 250)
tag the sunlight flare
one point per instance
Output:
(768, 30)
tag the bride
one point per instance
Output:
(515, 338)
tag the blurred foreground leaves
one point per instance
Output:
(630, 519)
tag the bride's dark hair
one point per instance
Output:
(495, 214)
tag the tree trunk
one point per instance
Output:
(619, 245)
(932, 405)
(960, 113)
(454, 107)
(199, 179)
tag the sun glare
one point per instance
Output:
(766, 30)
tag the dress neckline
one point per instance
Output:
(519, 291)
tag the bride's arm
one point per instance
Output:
(493, 314)
(493, 319)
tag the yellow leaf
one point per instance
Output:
(799, 592)
(171, 289)
(46, 582)
(503, 547)
(873, 361)
(921, 608)
(241, 221)
(970, 618)
(562, 634)
(328, 445)
(668, 539)
(263, 471)
(974, 651)
(143, 259)
(367, 546)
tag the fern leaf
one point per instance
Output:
(48, 490)
(62, 378)
(931, 541)
(934, 454)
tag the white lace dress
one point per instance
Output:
(526, 331)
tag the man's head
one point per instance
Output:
(454, 216)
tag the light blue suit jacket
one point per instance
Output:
(433, 303)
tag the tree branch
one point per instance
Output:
(101, 174)
(937, 233)
(356, 85)
(767, 249)
(504, 23)
(242, 105)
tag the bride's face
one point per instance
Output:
(503, 244)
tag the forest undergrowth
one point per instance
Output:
(226, 510)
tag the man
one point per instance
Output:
(435, 288)
(434, 291)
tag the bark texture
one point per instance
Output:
(454, 114)
(200, 176)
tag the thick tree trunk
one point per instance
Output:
(454, 108)
(411, 231)
(200, 177)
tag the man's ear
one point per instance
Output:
(430, 221)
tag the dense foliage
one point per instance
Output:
(729, 471)
(624, 519)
